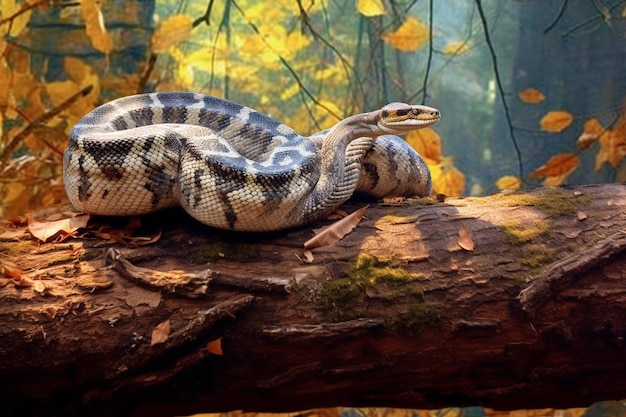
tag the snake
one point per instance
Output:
(231, 167)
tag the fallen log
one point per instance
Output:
(508, 301)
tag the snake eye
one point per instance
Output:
(415, 111)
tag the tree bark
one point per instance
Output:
(397, 313)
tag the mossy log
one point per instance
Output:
(397, 313)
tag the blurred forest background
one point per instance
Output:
(531, 92)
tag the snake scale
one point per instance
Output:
(233, 168)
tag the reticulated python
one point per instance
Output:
(232, 167)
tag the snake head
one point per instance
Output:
(398, 118)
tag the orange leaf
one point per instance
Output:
(557, 169)
(612, 145)
(410, 36)
(531, 96)
(556, 121)
(465, 239)
(160, 333)
(45, 230)
(95, 28)
(336, 231)
(426, 142)
(592, 130)
(370, 8)
(10, 271)
(215, 346)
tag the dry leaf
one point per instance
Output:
(171, 31)
(94, 26)
(426, 142)
(557, 169)
(410, 36)
(160, 333)
(612, 145)
(465, 239)
(23, 282)
(531, 96)
(308, 256)
(45, 230)
(215, 346)
(592, 130)
(556, 121)
(509, 183)
(10, 271)
(336, 231)
(447, 179)
(370, 8)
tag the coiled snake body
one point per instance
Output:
(233, 168)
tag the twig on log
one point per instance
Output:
(265, 284)
(199, 326)
(564, 272)
(349, 328)
(188, 284)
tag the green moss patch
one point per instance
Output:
(370, 270)
(233, 251)
(368, 277)
(536, 255)
(414, 321)
(519, 233)
(554, 202)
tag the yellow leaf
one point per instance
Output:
(370, 8)
(171, 31)
(557, 169)
(556, 121)
(426, 142)
(612, 145)
(5, 83)
(531, 96)
(94, 26)
(410, 36)
(215, 346)
(160, 333)
(456, 48)
(465, 239)
(290, 92)
(76, 69)
(59, 91)
(10, 8)
(447, 179)
(509, 182)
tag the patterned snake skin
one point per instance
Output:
(233, 168)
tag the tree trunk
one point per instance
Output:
(395, 314)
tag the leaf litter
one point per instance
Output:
(333, 233)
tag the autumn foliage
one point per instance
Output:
(282, 58)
